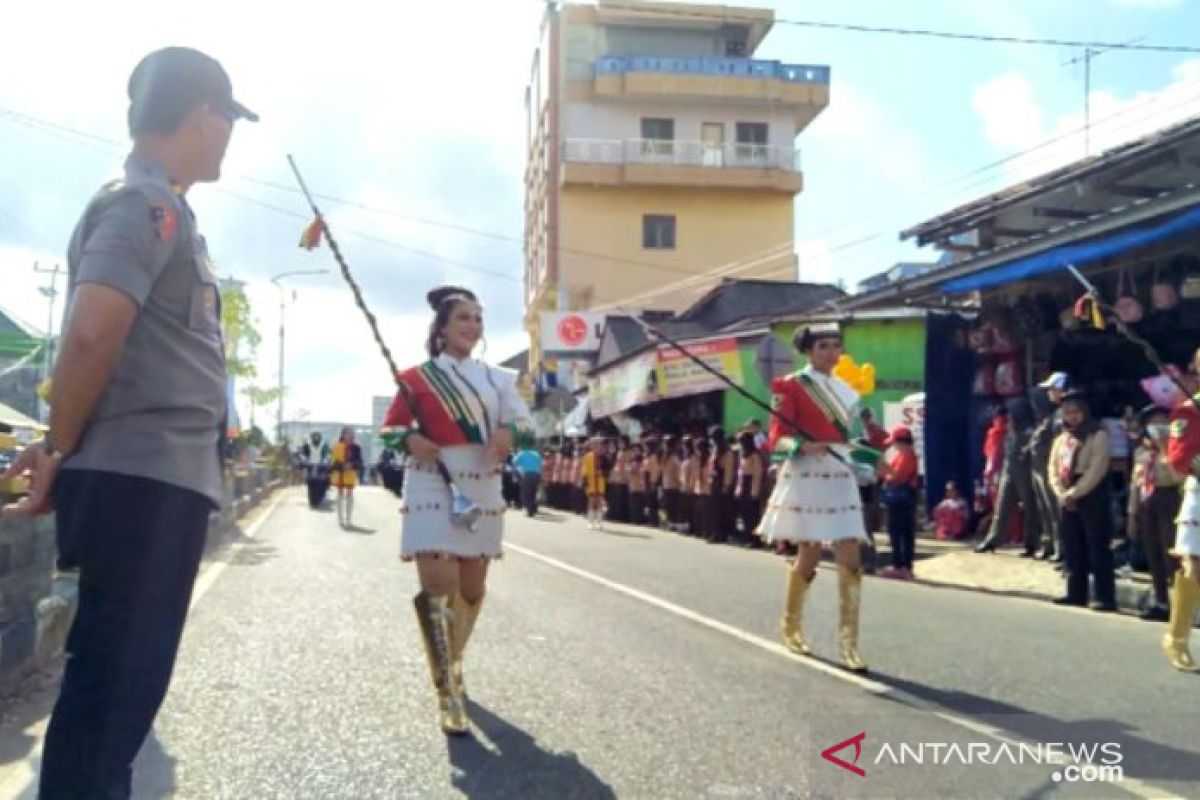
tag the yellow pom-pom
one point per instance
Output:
(859, 378)
(44, 389)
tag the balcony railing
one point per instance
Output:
(676, 153)
(717, 67)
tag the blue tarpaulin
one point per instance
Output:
(1078, 254)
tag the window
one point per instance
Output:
(752, 142)
(655, 128)
(735, 48)
(658, 136)
(752, 133)
(658, 232)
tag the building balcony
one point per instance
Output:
(743, 81)
(662, 162)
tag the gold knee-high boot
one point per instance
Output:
(793, 611)
(465, 615)
(850, 601)
(436, 617)
(1185, 597)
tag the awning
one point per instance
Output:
(1078, 254)
(575, 423)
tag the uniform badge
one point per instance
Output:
(166, 222)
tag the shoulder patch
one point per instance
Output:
(1179, 428)
(165, 220)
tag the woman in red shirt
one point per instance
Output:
(898, 475)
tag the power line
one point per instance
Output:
(69, 132)
(931, 33)
(990, 38)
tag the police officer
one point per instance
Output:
(131, 460)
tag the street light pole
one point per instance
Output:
(50, 292)
(275, 279)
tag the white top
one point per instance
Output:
(490, 392)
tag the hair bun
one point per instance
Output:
(439, 295)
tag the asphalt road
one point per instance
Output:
(632, 663)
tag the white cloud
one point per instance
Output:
(1115, 119)
(857, 122)
(1012, 118)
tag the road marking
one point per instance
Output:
(21, 781)
(209, 576)
(1133, 786)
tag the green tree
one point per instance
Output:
(239, 327)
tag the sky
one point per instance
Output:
(416, 118)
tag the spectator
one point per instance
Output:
(529, 464)
(751, 472)
(898, 475)
(1079, 464)
(951, 515)
(1154, 501)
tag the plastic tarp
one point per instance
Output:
(1078, 254)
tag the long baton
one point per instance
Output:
(658, 334)
(460, 508)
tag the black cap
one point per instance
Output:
(169, 83)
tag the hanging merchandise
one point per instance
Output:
(1163, 294)
(1128, 307)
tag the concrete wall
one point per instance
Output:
(714, 228)
(623, 120)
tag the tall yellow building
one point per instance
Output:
(658, 148)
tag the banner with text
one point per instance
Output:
(679, 376)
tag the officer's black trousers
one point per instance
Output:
(138, 543)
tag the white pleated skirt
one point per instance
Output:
(425, 526)
(1187, 524)
(815, 499)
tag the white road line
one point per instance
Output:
(209, 576)
(1133, 786)
(21, 781)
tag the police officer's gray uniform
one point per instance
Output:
(160, 416)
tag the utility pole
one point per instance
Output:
(275, 279)
(49, 292)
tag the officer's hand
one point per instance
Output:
(41, 470)
(423, 449)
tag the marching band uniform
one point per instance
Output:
(459, 406)
(1183, 456)
(345, 460)
(816, 498)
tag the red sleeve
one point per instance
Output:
(1183, 446)
(902, 469)
(784, 405)
(398, 414)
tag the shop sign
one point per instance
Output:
(571, 333)
(624, 386)
(680, 376)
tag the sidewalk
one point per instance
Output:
(957, 565)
